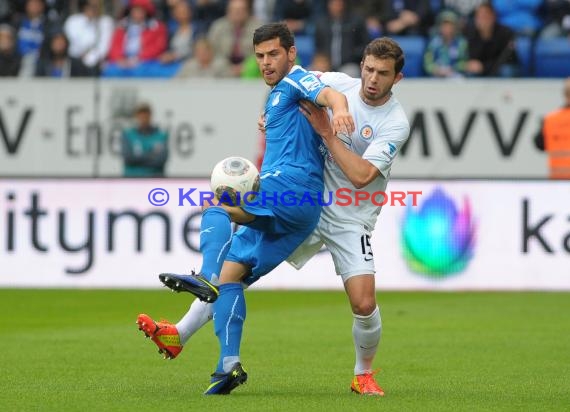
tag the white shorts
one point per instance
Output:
(348, 243)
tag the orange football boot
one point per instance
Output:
(366, 385)
(163, 333)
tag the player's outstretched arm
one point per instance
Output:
(359, 171)
(342, 120)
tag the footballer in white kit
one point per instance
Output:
(379, 134)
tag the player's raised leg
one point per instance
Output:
(366, 332)
(197, 316)
(215, 241)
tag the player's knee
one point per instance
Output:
(364, 306)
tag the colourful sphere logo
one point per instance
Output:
(438, 240)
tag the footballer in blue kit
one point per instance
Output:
(271, 230)
(293, 163)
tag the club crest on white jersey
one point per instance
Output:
(366, 132)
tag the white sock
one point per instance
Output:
(229, 362)
(366, 332)
(197, 316)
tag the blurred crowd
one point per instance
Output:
(213, 38)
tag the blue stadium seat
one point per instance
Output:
(523, 46)
(414, 48)
(552, 57)
(305, 48)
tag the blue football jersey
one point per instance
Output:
(292, 146)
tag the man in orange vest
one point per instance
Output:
(556, 132)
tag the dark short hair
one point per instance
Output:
(487, 5)
(143, 108)
(272, 31)
(386, 48)
(82, 4)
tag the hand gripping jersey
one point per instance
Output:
(379, 134)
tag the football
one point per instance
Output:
(232, 178)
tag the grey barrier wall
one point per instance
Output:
(460, 128)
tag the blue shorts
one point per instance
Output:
(286, 213)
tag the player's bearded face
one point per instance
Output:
(274, 61)
(378, 77)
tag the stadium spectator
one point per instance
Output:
(182, 36)
(408, 17)
(54, 60)
(299, 15)
(115, 8)
(57, 11)
(374, 12)
(138, 41)
(144, 147)
(491, 46)
(321, 63)
(263, 10)
(557, 19)
(555, 138)
(521, 16)
(465, 9)
(10, 59)
(446, 53)
(204, 63)
(163, 12)
(231, 35)
(33, 27)
(89, 33)
(342, 36)
(6, 11)
(208, 11)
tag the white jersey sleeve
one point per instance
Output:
(339, 81)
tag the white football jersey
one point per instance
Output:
(380, 132)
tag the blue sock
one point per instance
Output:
(229, 315)
(215, 240)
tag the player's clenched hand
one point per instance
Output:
(261, 123)
(318, 117)
(343, 122)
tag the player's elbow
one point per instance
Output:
(365, 178)
(359, 183)
(362, 181)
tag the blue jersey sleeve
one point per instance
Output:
(305, 85)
